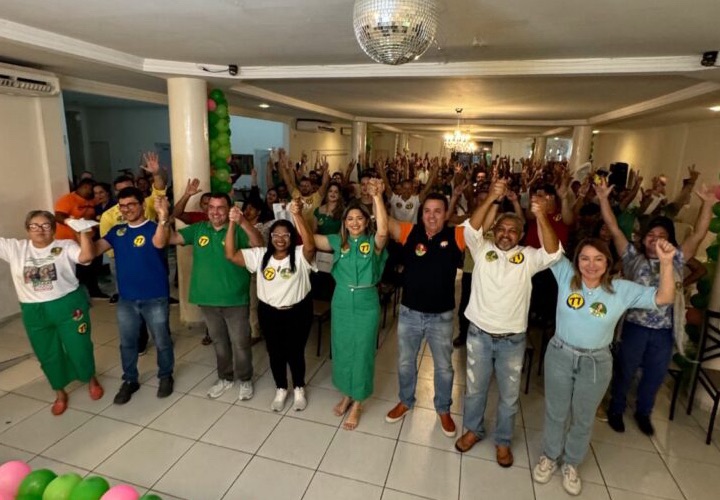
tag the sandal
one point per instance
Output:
(96, 391)
(59, 407)
(341, 408)
(353, 418)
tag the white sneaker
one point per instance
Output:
(544, 469)
(279, 402)
(220, 387)
(571, 479)
(246, 390)
(300, 403)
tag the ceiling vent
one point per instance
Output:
(314, 126)
(16, 80)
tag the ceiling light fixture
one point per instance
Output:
(596, 131)
(395, 31)
(263, 106)
(714, 108)
(457, 141)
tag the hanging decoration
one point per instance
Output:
(219, 135)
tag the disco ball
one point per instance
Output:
(395, 31)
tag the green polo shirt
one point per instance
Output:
(215, 281)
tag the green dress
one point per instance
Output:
(355, 314)
(326, 225)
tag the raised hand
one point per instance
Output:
(162, 207)
(498, 189)
(692, 173)
(235, 215)
(538, 206)
(665, 250)
(460, 188)
(511, 196)
(603, 190)
(193, 187)
(706, 194)
(151, 163)
(296, 206)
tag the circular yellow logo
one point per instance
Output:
(203, 241)
(575, 301)
(269, 273)
(121, 231)
(82, 328)
(56, 251)
(365, 248)
(139, 241)
(518, 258)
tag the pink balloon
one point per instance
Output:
(11, 475)
(121, 492)
(211, 105)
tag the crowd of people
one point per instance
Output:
(595, 257)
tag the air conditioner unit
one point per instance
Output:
(346, 131)
(314, 126)
(16, 80)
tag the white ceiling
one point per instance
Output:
(281, 33)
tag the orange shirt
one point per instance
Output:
(76, 207)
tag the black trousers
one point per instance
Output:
(463, 322)
(286, 332)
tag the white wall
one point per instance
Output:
(333, 144)
(512, 148)
(33, 169)
(249, 134)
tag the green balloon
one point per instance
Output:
(712, 252)
(715, 225)
(699, 300)
(222, 110)
(220, 164)
(224, 151)
(150, 497)
(222, 125)
(61, 487)
(213, 133)
(224, 140)
(91, 488)
(216, 94)
(213, 119)
(214, 145)
(214, 185)
(224, 187)
(716, 209)
(222, 175)
(34, 484)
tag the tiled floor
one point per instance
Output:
(190, 447)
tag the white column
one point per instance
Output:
(187, 102)
(359, 143)
(404, 143)
(395, 148)
(582, 140)
(540, 149)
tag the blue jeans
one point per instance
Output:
(437, 328)
(575, 383)
(505, 355)
(130, 314)
(644, 347)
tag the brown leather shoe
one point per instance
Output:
(397, 413)
(447, 424)
(504, 456)
(466, 441)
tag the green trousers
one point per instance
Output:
(59, 332)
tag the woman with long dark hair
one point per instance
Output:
(359, 257)
(578, 362)
(285, 307)
(328, 217)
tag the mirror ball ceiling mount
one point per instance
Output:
(395, 31)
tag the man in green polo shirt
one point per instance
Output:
(222, 290)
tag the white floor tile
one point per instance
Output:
(631, 438)
(386, 386)
(143, 408)
(422, 426)
(298, 442)
(683, 441)
(589, 470)
(398, 495)
(259, 481)
(59, 468)
(323, 377)
(20, 374)
(698, 481)
(15, 408)
(618, 494)
(8, 453)
(425, 393)
(187, 375)
(359, 456)
(190, 417)
(80, 397)
(425, 471)
(42, 430)
(372, 420)
(40, 389)
(327, 487)
(241, 429)
(486, 479)
(92, 443)
(205, 472)
(202, 354)
(145, 458)
(635, 470)
(106, 358)
(554, 491)
(320, 406)
(485, 449)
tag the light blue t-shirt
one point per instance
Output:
(586, 318)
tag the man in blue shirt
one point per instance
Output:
(143, 287)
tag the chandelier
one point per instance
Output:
(395, 31)
(457, 141)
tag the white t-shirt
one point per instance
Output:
(404, 210)
(41, 274)
(277, 285)
(501, 283)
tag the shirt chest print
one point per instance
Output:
(518, 258)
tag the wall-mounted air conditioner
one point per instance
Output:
(314, 126)
(16, 80)
(347, 131)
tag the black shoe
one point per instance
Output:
(206, 340)
(615, 421)
(114, 298)
(459, 342)
(173, 301)
(643, 422)
(125, 393)
(166, 387)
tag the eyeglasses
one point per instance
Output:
(128, 206)
(280, 236)
(45, 226)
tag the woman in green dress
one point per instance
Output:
(328, 217)
(359, 257)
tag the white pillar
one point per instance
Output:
(187, 102)
(581, 142)
(404, 143)
(359, 143)
(395, 148)
(540, 149)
